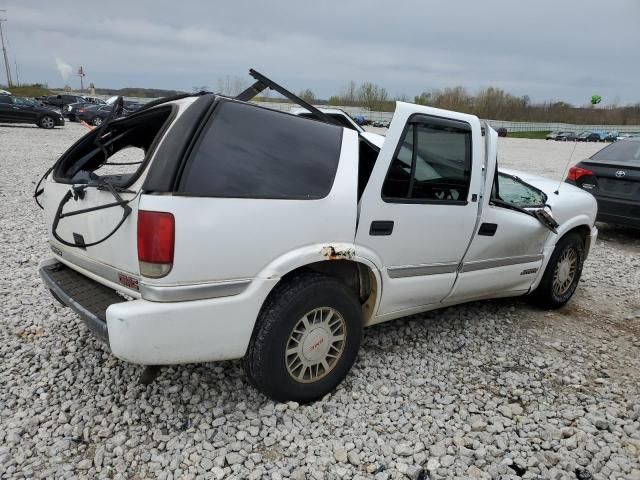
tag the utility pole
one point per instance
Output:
(4, 53)
(81, 74)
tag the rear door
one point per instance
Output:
(419, 208)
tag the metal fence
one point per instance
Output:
(510, 126)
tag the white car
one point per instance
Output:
(250, 233)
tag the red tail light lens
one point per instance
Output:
(575, 173)
(156, 238)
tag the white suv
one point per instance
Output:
(244, 232)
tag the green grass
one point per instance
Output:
(29, 91)
(535, 135)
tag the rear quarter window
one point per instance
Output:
(252, 152)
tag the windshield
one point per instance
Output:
(624, 151)
(514, 191)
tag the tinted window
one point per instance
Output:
(247, 151)
(624, 151)
(432, 163)
(22, 101)
(5, 99)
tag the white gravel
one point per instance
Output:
(486, 390)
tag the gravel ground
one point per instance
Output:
(486, 390)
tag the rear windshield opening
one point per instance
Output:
(127, 145)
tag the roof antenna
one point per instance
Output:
(564, 172)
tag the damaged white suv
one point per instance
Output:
(249, 233)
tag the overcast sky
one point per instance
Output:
(549, 50)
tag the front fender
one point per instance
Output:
(581, 220)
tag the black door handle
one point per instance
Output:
(488, 229)
(381, 227)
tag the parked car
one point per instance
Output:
(131, 107)
(60, 101)
(552, 135)
(612, 176)
(251, 233)
(15, 109)
(589, 137)
(93, 114)
(71, 109)
(566, 137)
(611, 137)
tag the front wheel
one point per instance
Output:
(96, 122)
(563, 272)
(46, 122)
(305, 340)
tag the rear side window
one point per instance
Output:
(251, 152)
(432, 164)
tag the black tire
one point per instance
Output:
(96, 121)
(546, 295)
(265, 362)
(46, 121)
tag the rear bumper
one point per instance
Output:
(621, 212)
(161, 333)
(87, 298)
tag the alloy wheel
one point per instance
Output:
(315, 345)
(565, 272)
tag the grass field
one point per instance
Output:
(30, 91)
(534, 135)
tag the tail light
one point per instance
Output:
(156, 238)
(575, 173)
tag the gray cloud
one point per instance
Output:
(547, 49)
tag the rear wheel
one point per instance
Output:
(305, 340)
(46, 122)
(563, 273)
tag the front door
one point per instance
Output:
(5, 108)
(24, 110)
(506, 253)
(419, 208)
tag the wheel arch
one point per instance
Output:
(578, 225)
(337, 260)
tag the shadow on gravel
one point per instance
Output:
(620, 234)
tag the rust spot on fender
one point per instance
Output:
(331, 253)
